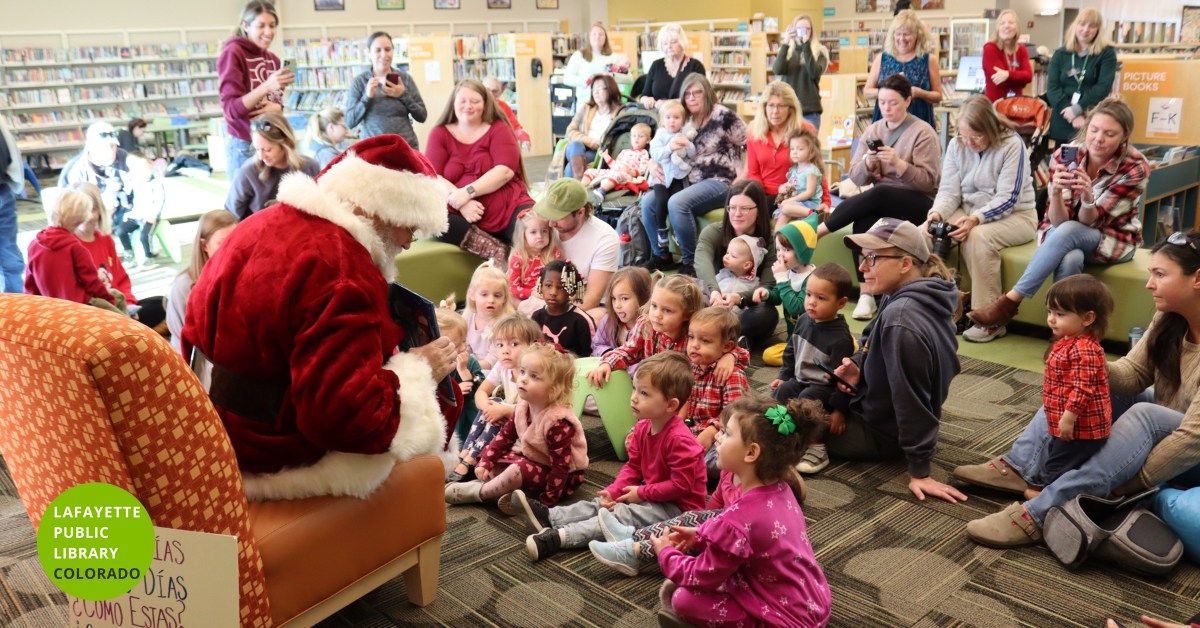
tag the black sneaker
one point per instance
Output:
(537, 515)
(687, 269)
(543, 544)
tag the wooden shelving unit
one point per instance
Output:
(326, 66)
(53, 85)
(508, 57)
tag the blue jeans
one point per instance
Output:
(237, 151)
(682, 208)
(1139, 427)
(575, 149)
(814, 119)
(1064, 252)
(11, 262)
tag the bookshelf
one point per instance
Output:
(563, 46)
(731, 69)
(508, 57)
(53, 85)
(967, 37)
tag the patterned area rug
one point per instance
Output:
(891, 561)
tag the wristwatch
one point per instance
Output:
(470, 190)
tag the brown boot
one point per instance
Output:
(996, 313)
(578, 166)
(487, 246)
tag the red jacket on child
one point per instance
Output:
(60, 267)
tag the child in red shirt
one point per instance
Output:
(59, 266)
(1075, 389)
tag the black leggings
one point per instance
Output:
(459, 227)
(758, 324)
(881, 201)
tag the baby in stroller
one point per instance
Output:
(628, 170)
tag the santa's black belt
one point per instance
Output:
(251, 398)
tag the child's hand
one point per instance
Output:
(465, 386)
(661, 541)
(682, 537)
(724, 368)
(606, 500)
(496, 412)
(482, 474)
(776, 383)
(761, 294)
(630, 496)
(777, 268)
(1066, 426)
(837, 422)
(787, 190)
(598, 377)
(707, 436)
(464, 373)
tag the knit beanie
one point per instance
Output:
(803, 238)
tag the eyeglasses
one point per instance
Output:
(772, 105)
(693, 93)
(108, 134)
(745, 209)
(869, 259)
(261, 125)
(1180, 238)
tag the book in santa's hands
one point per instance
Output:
(415, 315)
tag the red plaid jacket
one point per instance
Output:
(642, 343)
(710, 397)
(1077, 380)
(1117, 189)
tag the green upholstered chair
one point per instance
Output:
(435, 269)
(1134, 305)
(612, 402)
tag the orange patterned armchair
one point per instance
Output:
(89, 396)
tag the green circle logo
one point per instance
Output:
(95, 541)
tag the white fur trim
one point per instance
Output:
(405, 199)
(421, 431)
(302, 192)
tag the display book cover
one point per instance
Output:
(415, 315)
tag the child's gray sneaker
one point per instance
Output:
(815, 459)
(537, 516)
(619, 555)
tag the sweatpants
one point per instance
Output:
(579, 524)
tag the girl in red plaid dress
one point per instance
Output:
(1075, 389)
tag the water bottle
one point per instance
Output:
(1135, 335)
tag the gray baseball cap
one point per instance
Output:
(892, 232)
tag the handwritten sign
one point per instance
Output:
(1164, 116)
(420, 50)
(192, 581)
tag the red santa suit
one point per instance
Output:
(292, 311)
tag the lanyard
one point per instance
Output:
(1079, 76)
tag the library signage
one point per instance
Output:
(1163, 99)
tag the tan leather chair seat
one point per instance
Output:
(313, 548)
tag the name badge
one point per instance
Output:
(1075, 98)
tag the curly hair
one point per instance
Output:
(780, 452)
(558, 368)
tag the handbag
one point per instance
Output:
(1120, 530)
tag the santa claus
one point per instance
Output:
(292, 312)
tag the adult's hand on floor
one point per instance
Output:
(929, 487)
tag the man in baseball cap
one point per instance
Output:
(908, 357)
(588, 242)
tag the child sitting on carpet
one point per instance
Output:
(821, 338)
(488, 299)
(511, 335)
(563, 323)
(467, 373)
(60, 267)
(794, 245)
(542, 450)
(753, 562)
(628, 291)
(663, 477)
(1075, 387)
(712, 334)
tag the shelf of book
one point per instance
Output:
(325, 67)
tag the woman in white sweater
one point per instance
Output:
(986, 193)
(596, 57)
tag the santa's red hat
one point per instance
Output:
(389, 180)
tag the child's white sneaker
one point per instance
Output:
(865, 310)
(612, 528)
(619, 555)
(815, 459)
(464, 492)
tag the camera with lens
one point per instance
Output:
(940, 230)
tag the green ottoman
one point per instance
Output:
(435, 269)
(1134, 305)
(831, 248)
(612, 402)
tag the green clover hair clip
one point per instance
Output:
(783, 421)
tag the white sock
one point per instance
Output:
(562, 535)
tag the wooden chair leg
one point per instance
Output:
(421, 579)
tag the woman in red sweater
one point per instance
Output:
(1005, 59)
(767, 159)
(59, 266)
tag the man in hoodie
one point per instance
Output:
(907, 357)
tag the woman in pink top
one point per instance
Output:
(474, 149)
(752, 563)
(767, 159)
(1005, 59)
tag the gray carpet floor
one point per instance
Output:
(890, 560)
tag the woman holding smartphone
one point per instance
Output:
(800, 63)
(384, 99)
(1094, 193)
(252, 79)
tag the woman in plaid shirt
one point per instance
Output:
(1093, 212)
